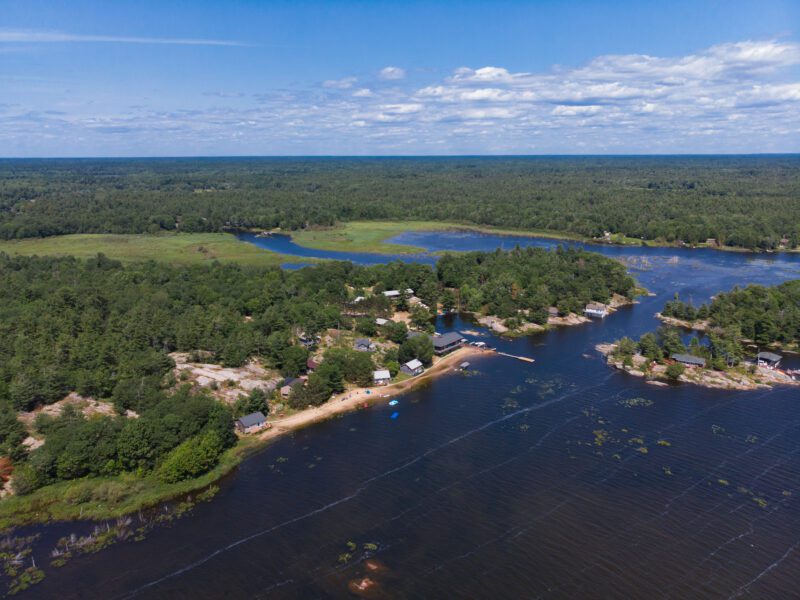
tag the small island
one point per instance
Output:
(742, 333)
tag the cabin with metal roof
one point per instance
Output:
(447, 342)
(412, 367)
(689, 360)
(251, 423)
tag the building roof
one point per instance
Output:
(381, 321)
(256, 418)
(446, 339)
(292, 381)
(596, 306)
(413, 364)
(391, 293)
(362, 342)
(769, 356)
(311, 364)
(689, 359)
(381, 374)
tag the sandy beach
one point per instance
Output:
(355, 398)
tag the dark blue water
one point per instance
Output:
(523, 480)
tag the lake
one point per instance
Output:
(558, 479)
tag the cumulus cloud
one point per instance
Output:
(735, 97)
(392, 73)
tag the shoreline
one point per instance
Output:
(403, 227)
(739, 380)
(56, 503)
(354, 399)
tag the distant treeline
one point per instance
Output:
(740, 201)
(104, 330)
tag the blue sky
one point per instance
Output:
(142, 78)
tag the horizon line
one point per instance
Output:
(373, 156)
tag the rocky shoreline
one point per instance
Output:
(733, 379)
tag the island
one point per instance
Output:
(742, 333)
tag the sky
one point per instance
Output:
(243, 78)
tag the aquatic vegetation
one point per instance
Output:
(600, 437)
(786, 493)
(281, 459)
(634, 402)
(742, 490)
(664, 443)
(717, 430)
(351, 546)
(518, 389)
(616, 456)
(667, 470)
(751, 439)
(636, 440)
(27, 578)
(642, 449)
(510, 404)
(760, 501)
(345, 557)
(370, 547)
(723, 482)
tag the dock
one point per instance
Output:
(522, 358)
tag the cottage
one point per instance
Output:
(412, 367)
(769, 359)
(552, 311)
(447, 342)
(392, 294)
(409, 292)
(380, 322)
(358, 299)
(311, 365)
(363, 345)
(288, 385)
(251, 423)
(381, 377)
(712, 242)
(596, 309)
(463, 366)
(689, 360)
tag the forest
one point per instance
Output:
(762, 315)
(743, 201)
(105, 330)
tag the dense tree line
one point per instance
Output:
(740, 201)
(105, 330)
(764, 315)
(530, 280)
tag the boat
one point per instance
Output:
(393, 403)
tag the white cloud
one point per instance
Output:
(737, 97)
(392, 73)
(340, 84)
(53, 37)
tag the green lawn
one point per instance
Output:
(369, 236)
(179, 248)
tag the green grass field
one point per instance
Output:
(370, 236)
(180, 248)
